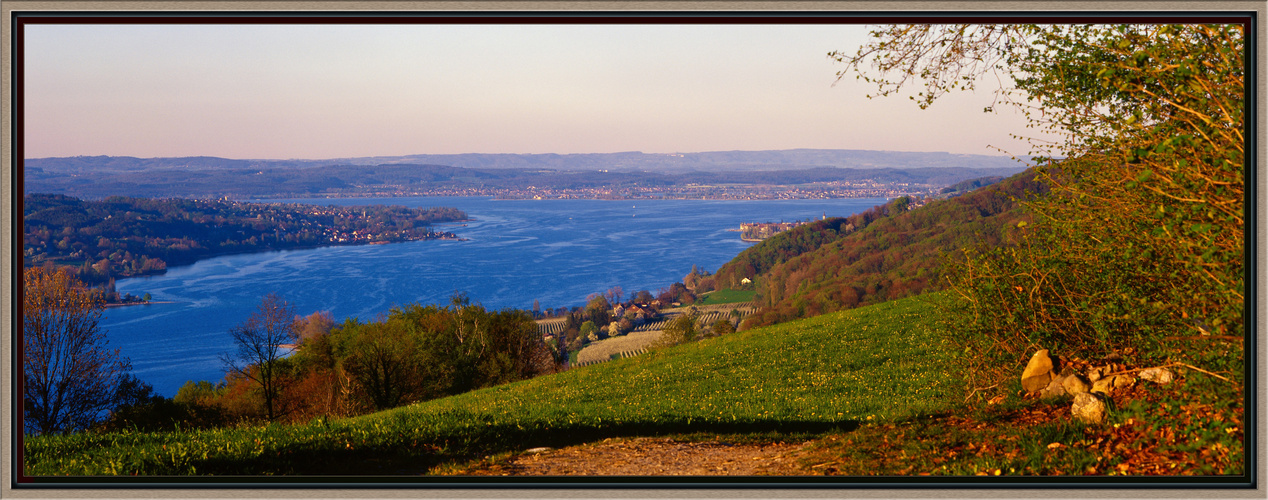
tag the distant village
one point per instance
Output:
(758, 231)
(823, 190)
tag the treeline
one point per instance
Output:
(881, 254)
(122, 237)
(414, 353)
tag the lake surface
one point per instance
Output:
(518, 251)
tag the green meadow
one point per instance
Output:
(820, 376)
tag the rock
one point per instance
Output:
(1124, 381)
(1089, 408)
(1038, 372)
(1054, 388)
(1113, 356)
(1075, 384)
(1094, 374)
(1104, 385)
(1159, 375)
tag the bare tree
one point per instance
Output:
(70, 378)
(261, 341)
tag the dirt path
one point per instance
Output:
(649, 457)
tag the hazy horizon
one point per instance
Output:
(348, 91)
(543, 154)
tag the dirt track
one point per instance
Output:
(649, 457)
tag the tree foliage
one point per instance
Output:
(262, 342)
(70, 376)
(680, 330)
(893, 256)
(1141, 241)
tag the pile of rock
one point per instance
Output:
(1091, 384)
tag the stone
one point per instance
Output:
(1124, 381)
(1075, 384)
(1088, 408)
(1158, 375)
(1104, 385)
(1038, 372)
(1054, 388)
(1094, 374)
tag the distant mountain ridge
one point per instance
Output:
(624, 161)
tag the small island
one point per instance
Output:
(123, 237)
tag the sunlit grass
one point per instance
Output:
(726, 297)
(824, 374)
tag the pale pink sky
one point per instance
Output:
(314, 91)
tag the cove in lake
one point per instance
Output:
(517, 251)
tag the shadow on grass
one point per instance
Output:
(413, 455)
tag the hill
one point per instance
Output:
(715, 161)
(241, 179)
(882, 254)
(823, 374)
(870, 391)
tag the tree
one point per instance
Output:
(679, 331)
(643, 297)
(1141, 240)
(722, 327)
(260, 341)
(70, 377)
(315, 325)
(589, 331)
(614, 294)
(598, 309)
(382, 357)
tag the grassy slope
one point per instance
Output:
(821, 375)
(726, 297)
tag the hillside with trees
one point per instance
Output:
(884, 253)
(120, 237)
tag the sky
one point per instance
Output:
(339, 91)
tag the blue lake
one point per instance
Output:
(554, 251)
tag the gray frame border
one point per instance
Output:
(8, 273)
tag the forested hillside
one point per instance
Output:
(882, 254)
(122, 237)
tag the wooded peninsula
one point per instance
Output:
(121, 237)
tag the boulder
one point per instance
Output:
(1075, 384)
(1038, 372)
(1089, 408)
(1054, 388)
(1158, 375)
(1104, 385)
